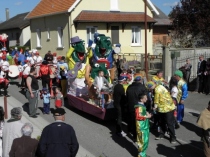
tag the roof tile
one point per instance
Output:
(47, 7)
(104, 16)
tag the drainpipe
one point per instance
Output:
(145, 27)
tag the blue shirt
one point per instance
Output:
(46, 98)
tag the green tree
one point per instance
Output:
(191, 23)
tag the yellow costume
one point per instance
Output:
(157, 80)
(163, 100)
(71, 62)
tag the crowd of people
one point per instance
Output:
(136, 100)
(15, 137)
(157, 100)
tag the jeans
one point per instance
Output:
(46, 108)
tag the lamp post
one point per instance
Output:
(145, 27)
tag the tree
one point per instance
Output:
(191, 23)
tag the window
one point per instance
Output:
(114, 5)
(17, 38)
(136, 36)
(48, 33)
(38, 38)
(60, 37)
(90, 32)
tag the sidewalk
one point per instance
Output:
(38, 123)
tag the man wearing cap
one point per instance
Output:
(164, 105)
(32, 92)
(182, 95)
(119, 102)
(12, 130)
(58, 139)
(132, 93)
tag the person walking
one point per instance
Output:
(187, 67)
(132, 93)
(119, 102)
(24, 146)
(204, 123)
(163, 104)
(58, 139)
(32, 92)
(142, 125)
(182, 95)
(12, 130)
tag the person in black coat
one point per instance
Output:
(119, 101)
(132, 93)
(201, 76)
(58, 139)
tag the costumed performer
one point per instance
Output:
(78, 59)
(142, 125)
(182, 95)
(26, 72)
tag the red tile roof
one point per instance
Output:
(103, 16)
(50, 7)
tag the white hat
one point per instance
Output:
(16, 48)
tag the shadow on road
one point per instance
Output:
(26, 108)
(193, 128)
(125, 143)
(182, 150)
(194, 114)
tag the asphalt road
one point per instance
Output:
(98, 137)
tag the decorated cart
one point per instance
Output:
(84, 65)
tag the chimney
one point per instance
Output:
(7, 13)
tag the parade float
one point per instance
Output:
(84, 65)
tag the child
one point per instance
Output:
(58, 98)
(46, 101)
(1, 127)
(142, 125)
(174, 93)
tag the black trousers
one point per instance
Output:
(201, 83)
(119, 117)
(207, 84)
(132, 123)
(46, 83)
(4, 86)
(23, 82)
(167, 123)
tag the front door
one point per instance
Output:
(115, 34)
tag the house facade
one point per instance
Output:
(161, 32)
(17, 29)
(53, 26)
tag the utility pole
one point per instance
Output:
(145, 27)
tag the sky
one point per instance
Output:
(22, 6)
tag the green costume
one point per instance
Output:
(142, 129)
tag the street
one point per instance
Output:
(98, 137)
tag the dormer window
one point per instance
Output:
(114, 5)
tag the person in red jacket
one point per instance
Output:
(44, 73)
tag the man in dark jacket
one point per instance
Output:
(48, 57)
(200, 72)
(24, 146)
(119, 100)
(58, 139)
(135, 89)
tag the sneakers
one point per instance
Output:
(159, 137)
(121, 134)
(177, 125)
(173, 140)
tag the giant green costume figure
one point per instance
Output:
(142, 129)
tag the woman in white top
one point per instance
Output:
(174, 93)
